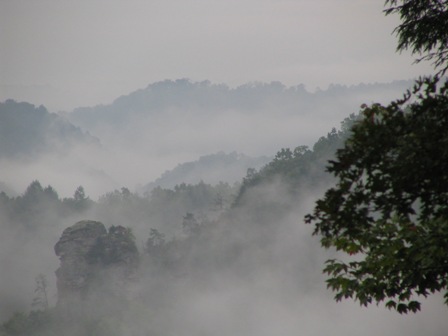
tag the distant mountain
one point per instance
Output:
(188, 119)
(181, 95)
(185, 96)
(27, 131)
(211, 169)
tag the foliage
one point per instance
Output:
(190, 225)
(40, 301)
(16, 325)
(27, 131)
(213, 168)
(167, 207)
(155, 243)
(118, 246)
(38, 323)
(299, 166)
(390, 204)
(41, 206)
(35, 206)
(79, 202)
(424, 29)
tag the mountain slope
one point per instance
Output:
(211, 169)
(183, 95)
(27, 131)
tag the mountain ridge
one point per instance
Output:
(27, 131)
(211, 169)
(204, 95)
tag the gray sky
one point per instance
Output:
(64, 53)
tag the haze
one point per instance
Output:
(163, 110)
(66, 54)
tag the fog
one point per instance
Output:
(274, 286)
(65, 55)
(168, 118)
(138, 136)
(253, 268)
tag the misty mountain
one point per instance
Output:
(27, 131)
(179, 120)
(186, 96)
(253, 269)
(181, 95)
(147, 132)
(38, 145)
(211, 169)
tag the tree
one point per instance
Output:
(155, 244)
(424, 29)
(40, 301)
(190, 225)
(79, 202)
(79, 194)
(33, 193)
(16, 325)
(389, 207)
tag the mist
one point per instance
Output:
(66, 55)
(157, 159)
(137, 137)
(230, 257)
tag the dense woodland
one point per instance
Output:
(190, 239)
(186, 234)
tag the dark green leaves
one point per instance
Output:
(389, 207)
(424, 29)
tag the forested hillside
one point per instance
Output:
(183, 96)
(37, 144)
(148, 132)
(195, 208)
(233, 245)
(27, 131)
(213, 168)
(193, 119)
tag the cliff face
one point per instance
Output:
(93, 261)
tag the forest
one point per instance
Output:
(192, 208)
(190, 235)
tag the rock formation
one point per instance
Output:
(93, 261)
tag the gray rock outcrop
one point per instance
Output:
(94, 262)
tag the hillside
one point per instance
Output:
(186, 96)
(199, 118)
(211, 169)
(37, 144)
(247, 257)
(27, 131)
(169, 123)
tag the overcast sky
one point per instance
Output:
(64, 53)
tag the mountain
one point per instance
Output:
(181, 95)
(153, 129)
(211, 169)
(38, 145)
(198, 118)
(27, 131)
(185, 96)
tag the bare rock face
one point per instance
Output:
(93, 261)
(73, 249)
